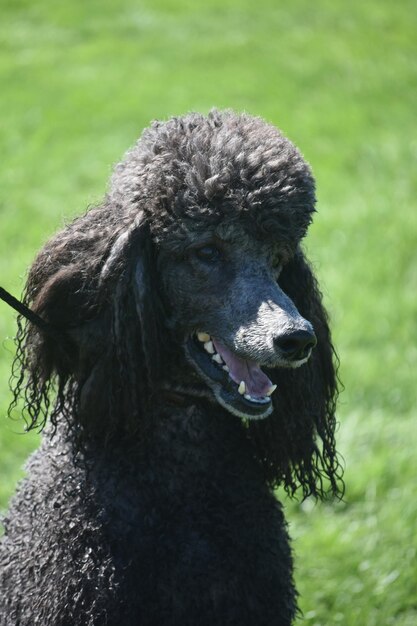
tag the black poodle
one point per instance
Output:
(185, 363)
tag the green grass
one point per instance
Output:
(79, 80)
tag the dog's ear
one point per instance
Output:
(99, 291)
(296, 444)
(128, 366)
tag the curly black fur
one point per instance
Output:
(149, 503)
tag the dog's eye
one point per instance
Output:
(209, 253)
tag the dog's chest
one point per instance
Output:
(198, 529)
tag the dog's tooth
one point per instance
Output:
(247, 396)
(225, 368)
(208, 346)
(271, 390)
(203, 337)
(216, 357)
(242, 387)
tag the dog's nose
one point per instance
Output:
(295, 345)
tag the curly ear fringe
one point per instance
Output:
(36, 403)
(298, 451)
(26, 382)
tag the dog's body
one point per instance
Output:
(150, 501)
(162, 540)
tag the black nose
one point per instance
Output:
(295, 345)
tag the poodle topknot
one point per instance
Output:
(190, 371)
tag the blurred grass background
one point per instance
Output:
(79, 80)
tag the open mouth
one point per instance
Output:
(238, 384)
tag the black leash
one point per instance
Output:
(21, 308)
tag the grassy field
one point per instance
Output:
(79, 80)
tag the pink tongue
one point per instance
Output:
(257, 383)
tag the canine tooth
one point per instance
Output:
(225, 368)
(247, 396)
(208, 346)
(242, 387)
(271, 390)
(216, 357)
(203, 337)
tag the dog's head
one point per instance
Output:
(190, 277)
(226, 305)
